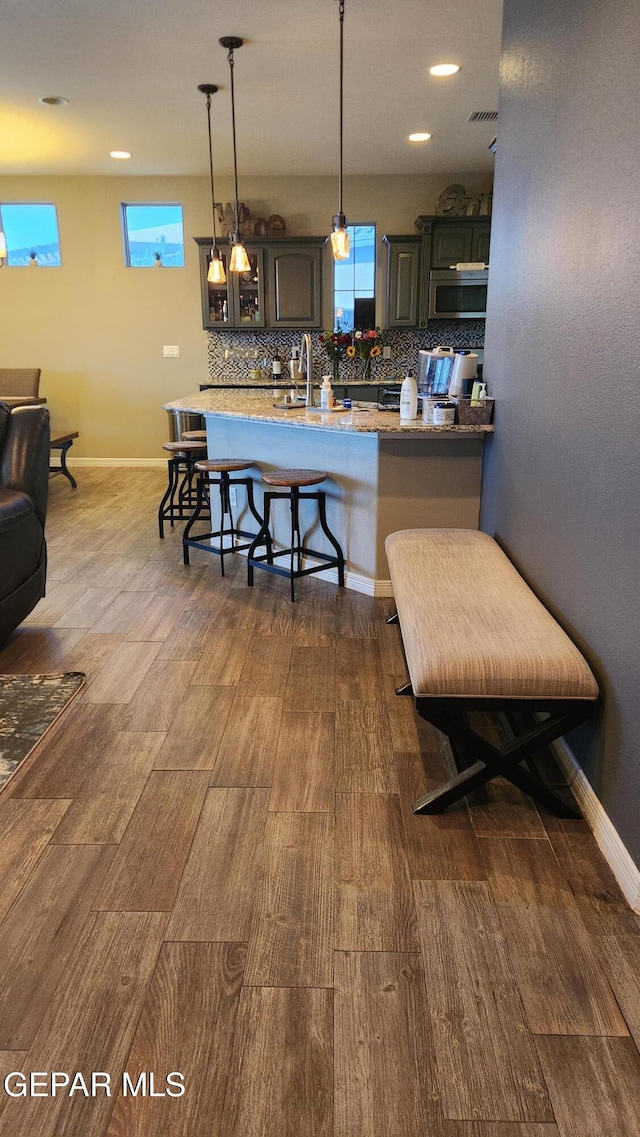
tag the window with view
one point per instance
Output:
(31, 234)
(153, 234)
(354, 282)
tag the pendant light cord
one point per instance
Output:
(341, 15)
(213, 200)
(233, 128)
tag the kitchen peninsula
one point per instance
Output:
(383, 475)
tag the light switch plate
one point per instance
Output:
(386, 352)
(171, 351)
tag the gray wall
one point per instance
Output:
(562, 352)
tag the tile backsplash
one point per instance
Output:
(404, 349)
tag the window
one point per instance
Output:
(354, 281)
(153, 233)
(31, 232)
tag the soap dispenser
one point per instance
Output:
(326, 394)
(409, 399)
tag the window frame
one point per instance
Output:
(124, 205)
(28, 204)
(358, 225)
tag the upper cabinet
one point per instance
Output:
(295, 284)
(443, 242)
(403, 280)
(283, 288)
(240, 303)
(452, 243)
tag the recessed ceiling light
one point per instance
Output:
(421, 136)
(119, 154)
(54, 100)
(444, 69)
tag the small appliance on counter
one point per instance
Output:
(464, 371)
(389, 398)
(434, 371)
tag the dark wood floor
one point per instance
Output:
(210, 865)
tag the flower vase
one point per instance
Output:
(366, 369)
(335, 371)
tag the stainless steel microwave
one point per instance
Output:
(458, 294)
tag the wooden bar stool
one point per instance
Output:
(294, 480)
(194, 435)
(180, 497)
(224, 467)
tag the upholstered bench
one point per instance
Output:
(476, 638)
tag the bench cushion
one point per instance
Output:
(472, 627)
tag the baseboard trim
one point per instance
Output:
(357, 583)
(155, 463)
(607, 837)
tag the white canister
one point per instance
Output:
(444, 414)
(428, 404)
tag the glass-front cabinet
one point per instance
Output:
(283, 288)
(248, 292)
(239, 303)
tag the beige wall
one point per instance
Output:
(97, 328)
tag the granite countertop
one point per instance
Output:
(361, 420)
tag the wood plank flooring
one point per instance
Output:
(210, 865)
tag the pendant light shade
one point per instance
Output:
(239, 260)
(216, 273)
(340, 240)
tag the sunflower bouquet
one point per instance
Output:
(337, 345)
(366, 345)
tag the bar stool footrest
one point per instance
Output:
(197, 542)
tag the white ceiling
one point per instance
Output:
(130, 69)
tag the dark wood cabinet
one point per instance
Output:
(442, 242)
(283, 288)
(240, 303)
(295, 284)
(404, 256)
(453, 242)
(480, 243)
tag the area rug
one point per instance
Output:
(29, 705)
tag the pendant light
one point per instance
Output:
(239, 260)
(340, 240)
(216, 273)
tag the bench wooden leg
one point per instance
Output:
(493, 761)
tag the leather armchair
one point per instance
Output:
(24, 488)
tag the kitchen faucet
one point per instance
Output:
(306, 357)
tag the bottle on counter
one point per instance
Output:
(326, 394)
(409, 398)
(276, 366)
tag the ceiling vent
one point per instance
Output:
(482, 116)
